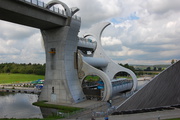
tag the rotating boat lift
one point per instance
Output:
(69, 59)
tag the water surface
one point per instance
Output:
(18, 105)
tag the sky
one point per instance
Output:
(141, 32)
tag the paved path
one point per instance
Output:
(96, 108)
(167, 114)
(162, 115)
(99, 108)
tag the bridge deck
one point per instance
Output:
(28, 14)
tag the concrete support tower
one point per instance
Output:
(61, 80)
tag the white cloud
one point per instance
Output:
(109, 41)
(14, 31)
(155, 35)
(20, 44)
(126, 52)
(161, 6)
(142, 31)
(144, 62)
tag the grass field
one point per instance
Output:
(174, 119)
(96, 78)
(61, 108)
(18, 78)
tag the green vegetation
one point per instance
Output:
(139, 73)
(92, 78)
(6, 93)
(49, 118)
(174, 119)
(150, 67)
(64, 109)
(36, 69)
(17, 78)
(53, 119)
(128, 67)
(61, 108)
(14, 73)
(143, 69)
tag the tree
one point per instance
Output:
(159, 69)
(148, 69)
(37, 69)
(6, 69)
(154, 69)
(128, 67)
(172, 61)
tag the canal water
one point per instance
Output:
(19, 105)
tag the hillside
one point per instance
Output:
(143, 67)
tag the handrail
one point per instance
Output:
(52, 9)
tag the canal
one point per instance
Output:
(19, 105)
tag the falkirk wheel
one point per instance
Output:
(70, 59)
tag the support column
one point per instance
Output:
(61, 80)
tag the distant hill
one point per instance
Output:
(143, 67)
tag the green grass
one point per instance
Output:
(27, 119)
(53, 119)
(17, 78)
(96, 78)
(174, 119)
(61, 108)
(92, 78)
(49, 118)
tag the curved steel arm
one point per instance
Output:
(112, 67)
(66, 8)
(85, 69)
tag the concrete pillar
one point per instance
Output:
(61, 80)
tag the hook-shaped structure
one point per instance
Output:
(112, 68)
(69, 12)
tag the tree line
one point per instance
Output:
(128, 67)
(141, 71)
(22, 68)
(125, 73)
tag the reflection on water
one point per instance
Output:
(46, 112)
(19, 105)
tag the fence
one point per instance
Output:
(53, 9)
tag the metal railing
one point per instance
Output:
(100, 109)
(53, 9)
(89, 111)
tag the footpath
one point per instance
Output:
(159, 115)
(97, 113)
(96, 109)
(99, 109)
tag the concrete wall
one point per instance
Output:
(163, 90)
(61, 81)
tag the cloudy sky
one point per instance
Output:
(141, 32)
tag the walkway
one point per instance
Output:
(161, 115)
(98, 108)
